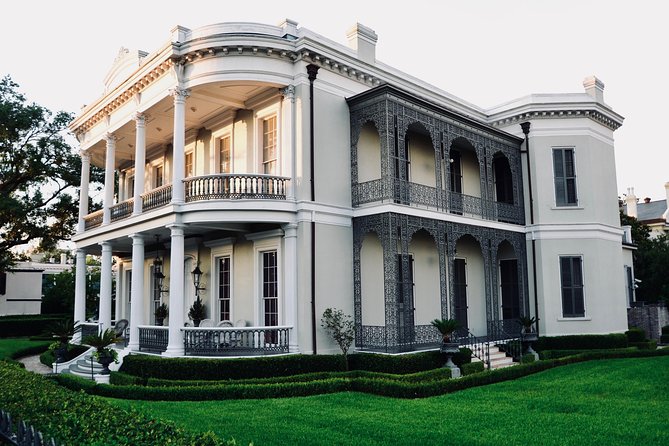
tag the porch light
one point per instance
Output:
(197, 276)
(158, 270)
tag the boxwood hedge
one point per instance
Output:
(582, 342)
(27, 325)
(76, 418)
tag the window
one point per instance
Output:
(629, 278)
(158, 179)
(157, 292)
(565, 177)
(571, 275)
(456, 171)
(224, 288)
(269, 146)
(270, 288)
(224, 165)
(189, 172)
(130, 181)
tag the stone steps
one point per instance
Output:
(498, 359)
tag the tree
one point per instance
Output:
(39, 173)
(341, 327)
(58, 292)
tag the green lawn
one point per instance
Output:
(609, 402)
(9, 346)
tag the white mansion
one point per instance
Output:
(297, 174)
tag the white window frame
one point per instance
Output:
(576, 176)
(217, 155)
(154, 166)
(264, 242)
(191, 153)
(260, 116)
(583, 287)
(217, 253)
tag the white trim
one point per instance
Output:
(574, 231)
(265, 235)
(217, 253)
(273, 109)
(261, 246)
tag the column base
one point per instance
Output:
(173, 352)
(133, 346)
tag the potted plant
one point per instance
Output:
(446, 327)
(527, 332)
(103, 354)
(160, 314)
(62, 331)
(197, 312)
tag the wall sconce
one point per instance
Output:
(158, 275)
(197, 277)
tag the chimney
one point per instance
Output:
(594, 88)
(363, 40)
(289, 29)
(666, 213)
(63, 259)
(646, 200)
(630, 200)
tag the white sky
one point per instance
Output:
(485, 52)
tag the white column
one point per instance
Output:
(118, 315)
(288, 147)
(83, 192)
(290, 282)
(105, 286)
(136, 291)
(178, 144)
(109, 178)
(140, 161)
(80, 291)
(175, 346)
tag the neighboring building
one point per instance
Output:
(21, 286)
(298, 174)
(653, 214)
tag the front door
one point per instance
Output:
(460, 291)
(508, 275)
(405, 299)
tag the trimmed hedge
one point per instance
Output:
(398, 387)
(582, 342)
(76, 418)
(648, 344)
(49, 357)
(472, 367)
(146, 366)
(409, 363)
(26, 325)
(555, 354)
(635, 335)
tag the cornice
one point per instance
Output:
(563, 111)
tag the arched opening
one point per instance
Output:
(468, 288)
(503, 179)
(369, 153)
(372, 281)
(464, 179)
(509, 284)
(427, 300)
(420, 155)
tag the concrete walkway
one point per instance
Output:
(32, 364)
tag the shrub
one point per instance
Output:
(582, 342)
(525, 359)
(75, 418)
(409, 363)
(26, 325)
(48, 357)
(341, 328)
(635, 335)
(471, 368)
(644, 345)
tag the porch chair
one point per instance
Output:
(231, 339)
(206, 323)
(120, 329)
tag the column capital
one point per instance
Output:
(289, 230)
(140, 119)
(110, 139)
(179, 94)
(106, 246)
(85, 156)
(137, 238)
(176, 228)
(288, 92)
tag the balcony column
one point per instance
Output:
(79, 291)
(109, 178)
(289, 136)
(290, 282)
(104, 314)
(136, 290)
(121, 187)
(140, 161)
(118, 314)
(178, 144)
(83, 192)
(175, 346)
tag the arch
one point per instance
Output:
(420, 155)
(372, 280)
(369, 152)
(468, 290)
(503, 178)
(426, 277)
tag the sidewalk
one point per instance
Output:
(33, 365)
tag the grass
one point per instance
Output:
(608, 402)
(13, 347)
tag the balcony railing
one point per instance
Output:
(235, 186)
(157, 197)
(153, 339)
(414, 194)
(122, 210)
(93, 220)
(236, 341)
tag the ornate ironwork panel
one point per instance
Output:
(234, 341)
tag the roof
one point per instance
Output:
(653, 210)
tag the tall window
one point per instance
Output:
(456, 171)
(269, 147)
(565, 177)
(158, 176)
(189, 171)
(224, 155)
(270, 288)
(224, 288)
(571, 274)
(629, 277)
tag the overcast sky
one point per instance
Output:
(485, 52)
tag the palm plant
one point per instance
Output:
(101, 342)
(527, 323)
(446, 327)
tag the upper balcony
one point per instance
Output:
(200, 188)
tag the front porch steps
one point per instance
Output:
(82, 367)
(498, 358)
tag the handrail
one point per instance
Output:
(511, 344)
(235, 186)
(479, 345)
(122, 209)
